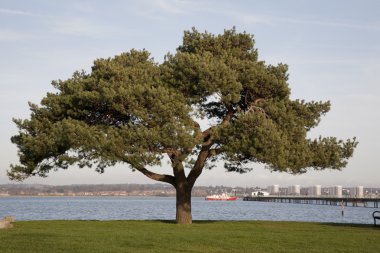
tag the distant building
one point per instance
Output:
(335, 191)
(357, 191)
(294, 190)
(259, 193)
(315, 190)
(274, 189)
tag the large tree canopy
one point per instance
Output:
(130, 109)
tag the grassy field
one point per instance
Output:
(161, 236)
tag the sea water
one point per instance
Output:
(163, 208)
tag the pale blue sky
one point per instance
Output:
(332, 48)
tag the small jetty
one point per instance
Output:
(319, 200)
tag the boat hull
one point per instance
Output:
(221, 199)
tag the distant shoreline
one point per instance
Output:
(151, 190)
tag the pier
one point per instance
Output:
(319, 200)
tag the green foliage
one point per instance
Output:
(202, 236)
(133, 110)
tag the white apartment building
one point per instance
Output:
(294, 190)
(335, 191)
(315, 190)
(357, 191)
(274, 189)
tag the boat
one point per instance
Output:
(223, 196)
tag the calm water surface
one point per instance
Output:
(157, 208)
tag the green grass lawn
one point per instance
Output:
(161, 236)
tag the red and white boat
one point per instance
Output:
(220, 197)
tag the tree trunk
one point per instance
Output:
(183, 204)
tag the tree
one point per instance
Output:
(132, 110)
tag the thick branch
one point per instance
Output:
(226, 120)
(254, 106)
(214, 152)
(228, 116)
(178, 169)
(158, 177)
(196, 125)
(196, 171)
(205, 151)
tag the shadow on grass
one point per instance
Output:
(194, 221)
(352, 225)
(328, 224)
